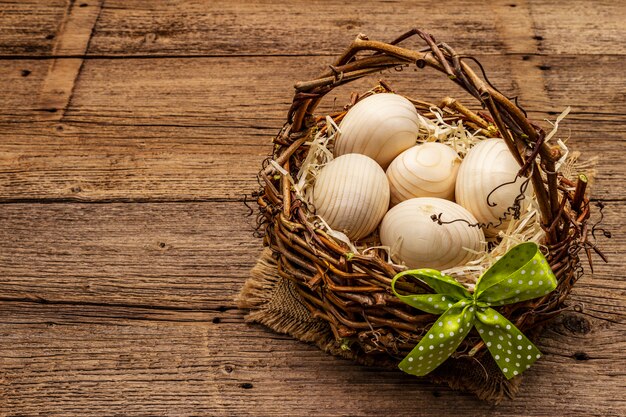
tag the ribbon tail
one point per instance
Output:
(511, 350)
(441, 340)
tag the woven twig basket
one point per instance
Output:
(351, 292)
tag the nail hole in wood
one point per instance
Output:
(83, 5)
(216, 320)
(25, 73)
(525, 57)
(161, 244)
(581, 356)
(538, 38)
(50, 36)
(246, 385)
(545, 67)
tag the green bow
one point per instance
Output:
(521, 274)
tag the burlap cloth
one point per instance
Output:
(274, 302)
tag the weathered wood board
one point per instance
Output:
(129, 133)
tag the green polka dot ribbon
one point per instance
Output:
(521, 274)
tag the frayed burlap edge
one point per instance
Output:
(273, 302)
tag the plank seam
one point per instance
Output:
(67, 200)
(43, 301)
(271, 55)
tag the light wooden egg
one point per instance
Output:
(419, 242)
(351, 194)
(427, 170)
(380, 126)
(488, 165)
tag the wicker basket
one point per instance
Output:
(352, 292)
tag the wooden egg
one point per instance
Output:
(427, 170)
(419, 242)
(351, 194)
(380, 126)
(487, 166)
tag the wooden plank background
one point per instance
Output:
(130, 131)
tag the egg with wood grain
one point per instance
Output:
(380, 126)
(426, 170)
(419, 241)
(487, 185)
(351, 194)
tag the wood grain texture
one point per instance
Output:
(133, 361)
(303, 27)
(96, 162)
(215, 90)
(127, 136)
(182, 255)
(72, 38)
(173, 255)
(125, 240)
(28, 28)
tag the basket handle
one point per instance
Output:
(524, 138)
